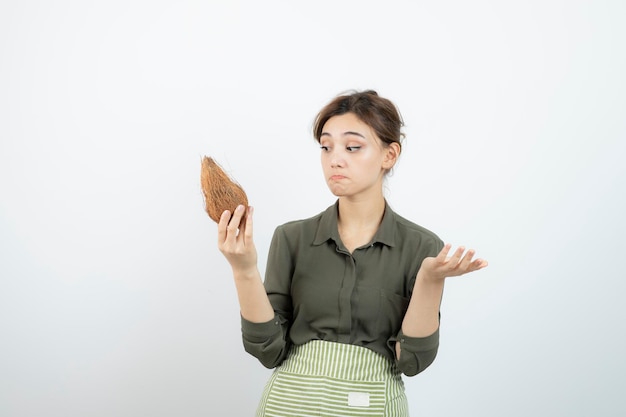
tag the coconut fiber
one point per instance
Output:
(220, 191)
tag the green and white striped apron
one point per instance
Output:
(334, 379)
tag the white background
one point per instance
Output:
(114, 300)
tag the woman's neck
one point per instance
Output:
(359, 221)
(355, 214)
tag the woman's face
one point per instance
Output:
(354, 160)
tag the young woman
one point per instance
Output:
(351, 296)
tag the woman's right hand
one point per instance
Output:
(236, 243)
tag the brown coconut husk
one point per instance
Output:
(220, 191)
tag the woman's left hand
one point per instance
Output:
(443, 266)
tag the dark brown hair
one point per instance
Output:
(377, 112)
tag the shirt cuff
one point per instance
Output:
(419, 344)
(259, 332)
(417, 353)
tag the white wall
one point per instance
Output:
(114, 300)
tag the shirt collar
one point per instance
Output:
(328, 229)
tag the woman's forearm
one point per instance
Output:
(422, 315)
(253, 301)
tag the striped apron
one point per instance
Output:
(323, 378)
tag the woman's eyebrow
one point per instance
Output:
(353, 133)
(345, 134)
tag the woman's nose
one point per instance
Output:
(336, 161)
(336, 158)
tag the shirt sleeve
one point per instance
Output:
(268, 341)
(265, 341)
(416, 353)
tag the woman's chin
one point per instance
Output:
(337, 191)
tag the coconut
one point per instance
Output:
(220, 191)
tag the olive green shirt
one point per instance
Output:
(319, 290)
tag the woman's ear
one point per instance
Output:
(392, 152)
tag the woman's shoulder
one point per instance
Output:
(303, 224)
(410, 229)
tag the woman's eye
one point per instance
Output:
(353, 148)
(324, 148)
